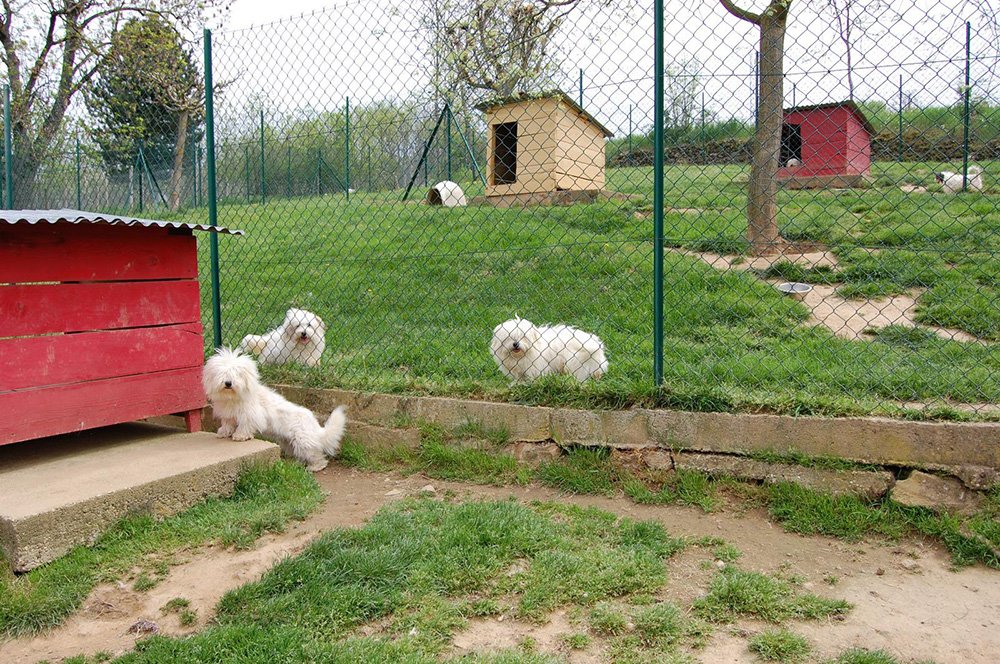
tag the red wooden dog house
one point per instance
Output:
(825, 145)
(100, 322)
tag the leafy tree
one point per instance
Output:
(148, 90)
(124, 105)
(52, 49)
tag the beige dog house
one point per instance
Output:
(543, 149)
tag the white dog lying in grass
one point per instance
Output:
(301, 338)
(525, 351)
(247, 407)
(951, 183)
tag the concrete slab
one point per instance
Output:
(62, 491)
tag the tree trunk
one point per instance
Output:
(177, 177)
(762, 208)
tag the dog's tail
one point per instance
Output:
(333, 431)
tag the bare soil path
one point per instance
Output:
(907, 598)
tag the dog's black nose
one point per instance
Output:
(304, 335)
(228, 384)
(516, 346)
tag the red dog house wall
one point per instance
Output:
(832, 143)
(100, 322)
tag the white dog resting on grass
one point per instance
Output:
(951, 183)
(301, 338)
(247, 407)
(525, 351)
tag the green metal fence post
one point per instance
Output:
(476, 171)
(288, 170)
(702, 129)
(262, 200)
(246, 163)
(966, 110)
(423, 157)
(79, 204)
(8, 150)
(448, 139)
(194, 176)
(319, 169)
(658, 192)
(468, 132)
(347, 148)
(201, 156)
(899, 156)
(213, 211)
(630, 132)
(139, 163)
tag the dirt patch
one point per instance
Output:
(979, 408)
(493, 634)
(907, 599)
(847, 319)
(808, 255)
(850, 319)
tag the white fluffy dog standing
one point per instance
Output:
(300, 338)
(951, 183)
(525, 351)
(247, 407)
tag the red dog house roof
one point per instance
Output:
(80, 217)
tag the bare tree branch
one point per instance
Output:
(740, 13)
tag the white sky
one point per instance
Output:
(370, 50)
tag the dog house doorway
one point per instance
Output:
(791, 143)
(505, 153)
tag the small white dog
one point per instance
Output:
(525, 351)
(951, 183)
(247, 407)
(301, 338)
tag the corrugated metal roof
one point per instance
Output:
(82, 217)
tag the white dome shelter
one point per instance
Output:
(446, 193)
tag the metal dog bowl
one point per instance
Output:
(794, 289)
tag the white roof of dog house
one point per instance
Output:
(81, 217)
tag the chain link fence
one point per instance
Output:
(431, 189)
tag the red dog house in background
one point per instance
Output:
(831, 144)
(100, 322)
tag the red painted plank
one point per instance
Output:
(53, 410)
(46, 308)
(28, 362)
(192, 420)
(65, 252)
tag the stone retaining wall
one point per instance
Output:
(970, 451)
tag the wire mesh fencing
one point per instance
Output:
(457, 197)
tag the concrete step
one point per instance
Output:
(62, 491)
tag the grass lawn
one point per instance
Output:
(454, 455)
(411, 293)
(400, 587)
(140, 549)
(424, 569)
